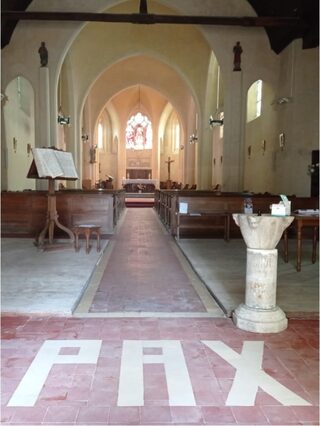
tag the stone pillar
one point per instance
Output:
(259, 313)
(43, 123)
(233, 151)
(44, 108)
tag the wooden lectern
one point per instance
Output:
(52, 164)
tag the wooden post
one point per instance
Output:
(52, 219)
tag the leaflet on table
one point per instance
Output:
(308, 212)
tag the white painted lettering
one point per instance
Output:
(131, 388)
(31, 384)
(249, 375)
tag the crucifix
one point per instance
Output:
(169, 165)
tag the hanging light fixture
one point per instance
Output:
(213, 122)
(63, 119)
(194, 137)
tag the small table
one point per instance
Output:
(86, 230)
(300, 221)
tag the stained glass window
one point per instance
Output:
(139, 132)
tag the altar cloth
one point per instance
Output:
(141, 181)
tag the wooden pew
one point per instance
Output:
(23, 214)
(210, 210)
(202, 213)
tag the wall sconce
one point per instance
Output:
(313, 168)
(263, 146)
(282, 141)
(4, 97)
(213, 122)
(193, 138)
(28, 149)
(14, 144)
(85, 138)
(249, 152)
(63, 120)
(282, 100)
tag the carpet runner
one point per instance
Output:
(143, 272)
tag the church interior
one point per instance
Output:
(160, 212)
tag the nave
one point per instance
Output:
(147, 344)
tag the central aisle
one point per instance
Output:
(146, 272)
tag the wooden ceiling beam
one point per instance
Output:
(147, 18)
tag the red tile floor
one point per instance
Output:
(154, 370)
(129, 375)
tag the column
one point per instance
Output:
(44, 107)
(43, 122)
(259, 313)
(232, 170)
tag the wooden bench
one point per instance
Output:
(208, 211)
(202, 212)
(23, 214)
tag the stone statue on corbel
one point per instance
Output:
(93, 154)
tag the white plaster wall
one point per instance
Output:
(260, 168)
(186, 54)
(299, 119)
(285, 171)
(19, 116)
(189, 56)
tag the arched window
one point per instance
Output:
(100, 136)
(254, 100)
(139, 132)
(221, 128)
(176, 137)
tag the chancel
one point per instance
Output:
(129, 293)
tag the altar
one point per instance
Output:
(140, 185)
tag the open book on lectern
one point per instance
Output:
(52, 163)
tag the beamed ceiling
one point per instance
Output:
(283, 20)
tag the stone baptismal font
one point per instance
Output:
(259, 313)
